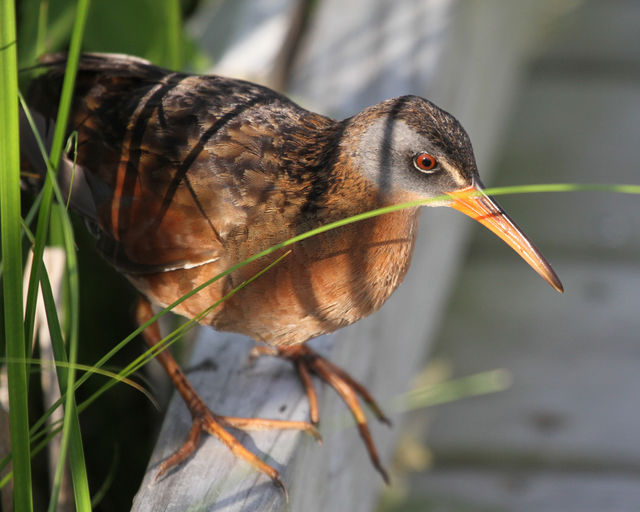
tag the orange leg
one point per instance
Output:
(206, 421)
(308, 361)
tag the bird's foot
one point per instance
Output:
(307, 361)
(206, 421)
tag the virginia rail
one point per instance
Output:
(182, 176)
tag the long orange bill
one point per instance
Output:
(472, 201)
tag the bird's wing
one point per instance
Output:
(171, 174)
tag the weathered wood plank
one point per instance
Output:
(357, 52)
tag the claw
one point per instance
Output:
(308, 361)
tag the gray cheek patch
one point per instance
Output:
(384, 153)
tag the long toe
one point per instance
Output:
(307, 361)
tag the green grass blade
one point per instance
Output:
(94, 370)
(45, 435)
(54, 157)
(66, 374)
(71, 429)
(66, 96)
(564, 187)
(77, 465)
(10, 228)
(449, 391)
(174, 33)
(71, 438)
(43, 15)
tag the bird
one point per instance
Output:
(180, 177)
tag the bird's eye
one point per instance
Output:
(425, 162)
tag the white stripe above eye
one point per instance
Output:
(454, 172)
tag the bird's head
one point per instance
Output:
(412, 150)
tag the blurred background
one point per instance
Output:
(549, 91)
(564, 435)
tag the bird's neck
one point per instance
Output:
(317, 155)
(314, 153)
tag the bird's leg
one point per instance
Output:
(308, 361)
(203, 419)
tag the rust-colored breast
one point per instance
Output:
(327, 282)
